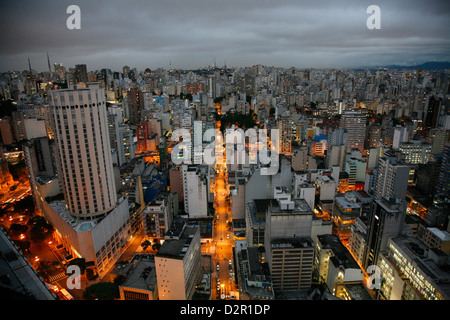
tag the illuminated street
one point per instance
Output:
(223, 237)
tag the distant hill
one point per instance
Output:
(431, 65)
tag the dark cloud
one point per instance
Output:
(190, 33)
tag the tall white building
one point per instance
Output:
(355, 123)
(91, 222)
(195, 190)
(392, 178)
(178, 263)
(84, 152)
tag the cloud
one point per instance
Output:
(190, 33)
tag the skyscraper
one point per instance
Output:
(392, 178)
(443, 185)
(84, 152)
(385, 221)
(355, 123)
(81, 73)
(135, 105)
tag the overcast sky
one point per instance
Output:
(191, 33)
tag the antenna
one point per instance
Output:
(49, 66)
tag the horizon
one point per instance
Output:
(208, 67)
(322, 35)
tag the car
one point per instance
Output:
(228, 236)
(217, 288)
(217, 267)
(221, 239)
(218, 281)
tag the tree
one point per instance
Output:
(40, 229)
(80, 262)
(102, 291)
(145, 244)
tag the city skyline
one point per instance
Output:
(190, 35)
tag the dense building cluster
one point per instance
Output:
(362, 177)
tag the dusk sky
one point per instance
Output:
(191, 33)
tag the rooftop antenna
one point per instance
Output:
(49, 66)
(29, 64)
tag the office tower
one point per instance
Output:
(135, 105)
(91, 222)
(195, 190)
(337, 137)
(126, 143)
(178, 263)
(400, 136)
(211, 86)
(126, 71)
(374, 135)
(336, 267)
(288, 244)
(355, 123)
(250, 85)
(285, 135)
(432, 112)
(439, 136)
(443, 185)
(81, 73)
(142, 135)
(84, 151)
(412, 270)
(385, 221)
(416, 152)
(392, 177)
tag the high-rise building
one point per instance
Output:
(81, 73)
(178, 263)
(443, 185)
(84, 151)
(135, 105)
(392, 177)
(416, 152)
(92, 222)
(195, 190)
(288, 243)
(300, 159)
(432, 112)
(412, 270)
(355, 123)
(385, 221)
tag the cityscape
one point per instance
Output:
(224, 181)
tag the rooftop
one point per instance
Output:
(341, 253)
(177, 248)
(142, 274)
(294, 243)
